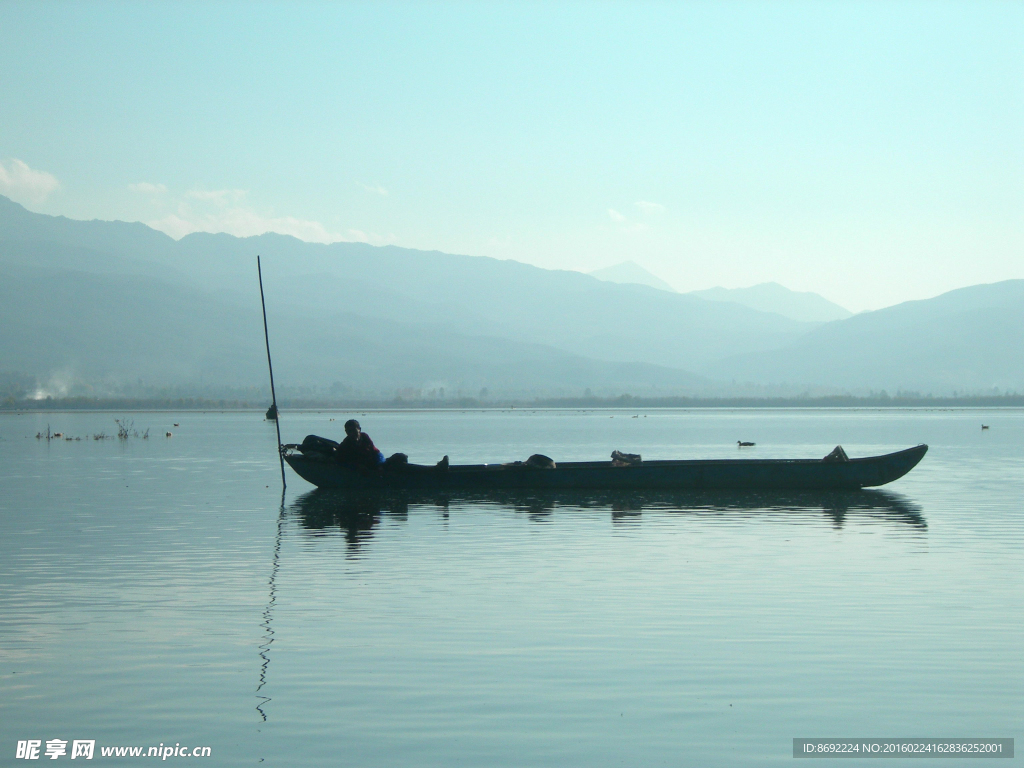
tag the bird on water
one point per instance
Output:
(744, 444)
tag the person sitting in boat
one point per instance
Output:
(357, 448)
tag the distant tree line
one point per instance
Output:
(879, 400)
(873, 400)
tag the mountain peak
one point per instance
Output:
(631, 272)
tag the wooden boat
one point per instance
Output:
(323, 471)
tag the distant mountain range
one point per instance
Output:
(766, 297)
(772, 297)
(631, 272)
(970, 339)
(89, 306)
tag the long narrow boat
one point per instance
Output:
(323, 471)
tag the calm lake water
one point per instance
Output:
(158, 591)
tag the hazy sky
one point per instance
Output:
(871, 152)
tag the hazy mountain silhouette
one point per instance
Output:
(453, 297)
(78, 300)
(116, 301)
(772, 297)
(566, 310)
(117, 329)
(112, 237)
(631, 272)
(970, 338)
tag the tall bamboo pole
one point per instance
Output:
(273, 396)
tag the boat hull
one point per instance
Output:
(697, 475)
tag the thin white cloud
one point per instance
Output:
(217, 196)
(145, 188)
(621, 222)
(243, 222)
(19, 182)
(225, 210)
(377, 189)
(372, 238)
(648, 207)
(220, 211)
(638, 221)
(499, 245)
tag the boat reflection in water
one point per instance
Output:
(356, 514)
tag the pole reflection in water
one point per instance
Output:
(268, 613)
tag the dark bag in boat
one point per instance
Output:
(838, 454)
(317, 444)
(620, 459)
(540, 461)
(397, 460)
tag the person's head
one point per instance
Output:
(352, 428)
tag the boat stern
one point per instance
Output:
(893, 466)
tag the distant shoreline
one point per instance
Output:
(574, 403)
